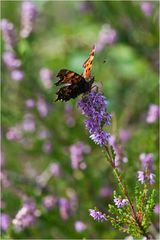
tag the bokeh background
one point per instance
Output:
(52, 173)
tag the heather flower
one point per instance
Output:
(8, 33)
(28, 124)
(47, 147)
(97, 215)
(93, 106)
(124, 135)
(42, 107)
(157, 209)
(68, 115)
(153, 113)
(147, 8)
(45, 76)
(14, 133)
(55, 169)
(10, 60)
(77, 152)
(4, 221)
(28, 17)
(43, 133)
(107, 35)
(26, 216)
(30, 103)
(64, 208)
(147, 161)
(120, 202)
(118, 150)
(17, 75)
(79, 226)
(106, 191)
(147, 166)
(49, 202)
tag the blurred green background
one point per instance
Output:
(125, 69)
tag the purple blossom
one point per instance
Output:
(79, 226)
(17, 75)
(28, 17)
(153, 113)
(42, 107)
(97, 215)
(26, 216)
(77, 152)
(69, 115)
(120, 202)
(8, 33)
(4, 221)
(107, 35)
(124, 135)
(14, 133)
(147, 167)
(10, 60)
(147, 8)
(30, 103)
(45, 76)
(106, 191)
(49, 201)
(64, 208)
(28, 124)
(47, 147)
(43, 133)
(93, 106)
(118, 150)
(55, 169)
(147, 161)
(157, 209)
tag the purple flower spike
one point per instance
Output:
(97, 215)
(79, 226)
(120, 202)
(153, 113)
(28, 16)
(8, 33)
(4, 221)
(93, 106)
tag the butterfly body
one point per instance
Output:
(75, 84)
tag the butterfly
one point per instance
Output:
(75, 84)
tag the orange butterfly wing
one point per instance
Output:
(68, 77)
(87, 65)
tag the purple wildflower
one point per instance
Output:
(106, 191)
(4, 221)
(42, 107)
(17, 75)
(28, 17)
(107, 35)
(147, 166)
(93, 106)
(118, 150)
(30, 103)
(47, 147)
(64, 208)
(76, 154)
(147, 8)
(28, 124)
(43, 133)
(26, 216)
(97, 215)
(45, 76)
(55, 169)
(49, 202)
(124, 135)
(153, 113)
(157, 209)
(8, 33)
(14, 134)
(120, 202)
(79, 226)
(10, 60)
(69, 115)
(147, 161)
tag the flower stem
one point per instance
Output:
(124, 190)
